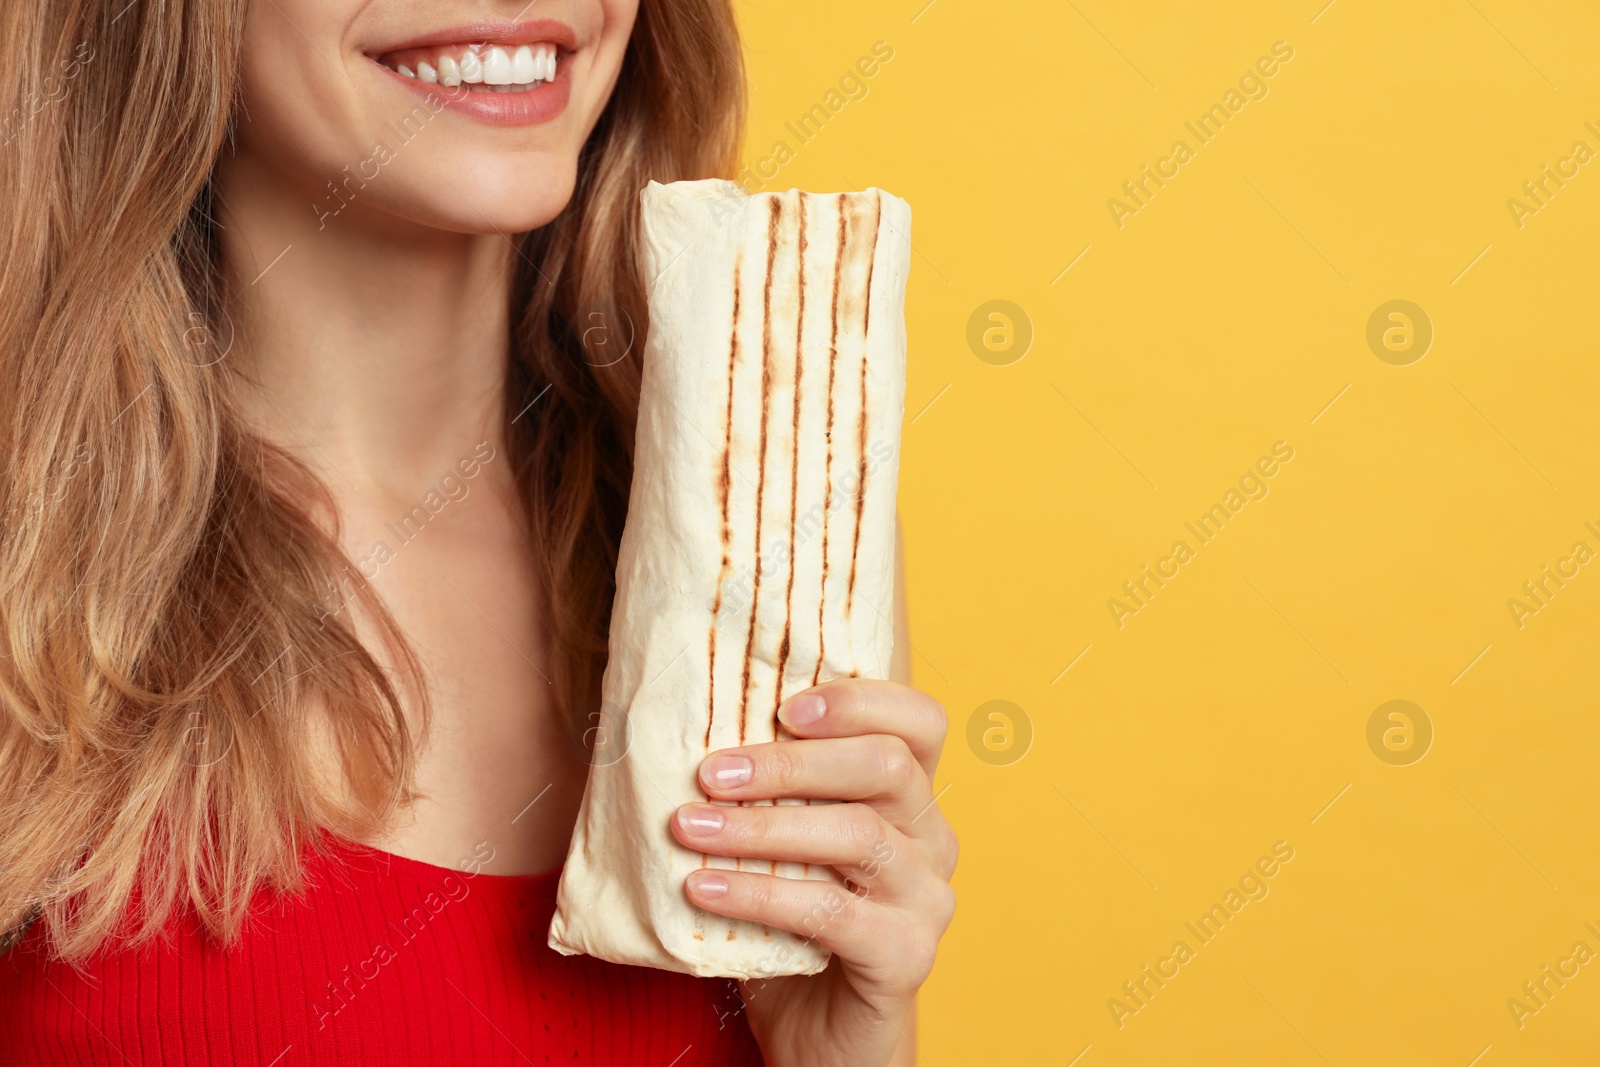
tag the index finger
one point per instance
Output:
(850, 707)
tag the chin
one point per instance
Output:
(495, 195)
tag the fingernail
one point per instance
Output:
(701, 820)
(708, 885)
(727, 772)
(803, 710)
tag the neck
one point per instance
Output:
(373, 349)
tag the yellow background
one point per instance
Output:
(1223, 317)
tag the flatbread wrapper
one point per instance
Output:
(757, 559)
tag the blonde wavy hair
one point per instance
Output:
(166, 641)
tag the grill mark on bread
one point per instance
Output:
(724, 488)
(866, 329)
(774, 211)
(794, 476)
(827, 470)
(794, 464)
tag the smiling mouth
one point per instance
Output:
(481, 68)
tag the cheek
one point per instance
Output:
(620, 14)
(298, 106)
(618, 19)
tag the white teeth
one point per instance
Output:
(504, 68)
(497, 67)
(524, 69)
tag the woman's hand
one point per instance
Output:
(873, 745)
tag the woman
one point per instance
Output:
(316, 469)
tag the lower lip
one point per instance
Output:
(528, 108)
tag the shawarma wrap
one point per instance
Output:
(758, 555)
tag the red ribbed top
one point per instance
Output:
(384, 960)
